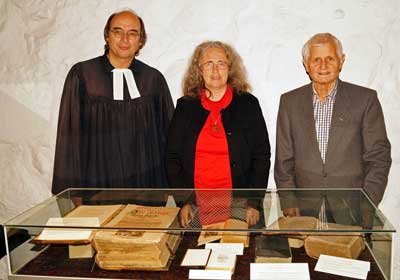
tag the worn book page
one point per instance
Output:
(145, 217)
(209, 236)
(235, 236)
(82, 216)
(68, 235)
(103, 212)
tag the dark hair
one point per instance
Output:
(143, 35)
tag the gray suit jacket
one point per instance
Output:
(358, 154)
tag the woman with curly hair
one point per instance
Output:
(218, 138)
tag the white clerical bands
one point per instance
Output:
(118, 83)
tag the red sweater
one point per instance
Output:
(212, 164)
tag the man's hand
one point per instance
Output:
(291, 212)
(186, 215)
(252, 216)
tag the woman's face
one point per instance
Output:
(214, 69)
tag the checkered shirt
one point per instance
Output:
(323, 116)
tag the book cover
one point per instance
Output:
(272, 249)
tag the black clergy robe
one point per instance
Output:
(102, 142)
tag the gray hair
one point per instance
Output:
(321, 38)
(193, 81)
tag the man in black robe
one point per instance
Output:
(114, 116)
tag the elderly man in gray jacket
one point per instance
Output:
(330, 133)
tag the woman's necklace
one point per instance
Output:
(214, 122)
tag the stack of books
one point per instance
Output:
(140, 242)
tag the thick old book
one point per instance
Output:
(272, 249)
(345, 246)
(339, 244)
(225, 236)
(348, 244)
(148, 246)
(82, 216)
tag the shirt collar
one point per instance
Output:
(331, 94)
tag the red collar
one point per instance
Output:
(216, 105)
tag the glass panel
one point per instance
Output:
(336, 209)
(348, 207)
(238, 215)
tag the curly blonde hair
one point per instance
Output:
(237, 76)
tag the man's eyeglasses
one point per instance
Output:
(209, 65)
(119, 33)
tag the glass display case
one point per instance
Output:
(145, 233)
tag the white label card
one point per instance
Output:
(343, 266)
(279, 271)
(209, 274)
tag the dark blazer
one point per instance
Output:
(358, 152)
(246, 133)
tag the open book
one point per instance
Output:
(73, 227)
(225, 236)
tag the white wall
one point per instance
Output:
(41, 40)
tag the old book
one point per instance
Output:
(286, 225)
(157, 260)
(104, 213)
(209, 236)
(339, 244)
(222, 261)
(146, 217)
(148, 246)
(235, 236)
(82, 216)
(272, 249)
(225, 236)
(80, 251)
(295, 242)
(348, 244)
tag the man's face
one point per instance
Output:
(124, 36)
(324, 65)
(214, 68)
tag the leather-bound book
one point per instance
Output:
(272, 249)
